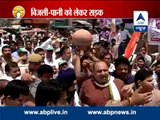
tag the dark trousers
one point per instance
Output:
(121, 48)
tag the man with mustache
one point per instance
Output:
(104, 90)
(6, 56)
(122, 71)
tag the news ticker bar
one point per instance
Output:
(80, 9)
(78, 113)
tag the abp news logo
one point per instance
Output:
(140, 21)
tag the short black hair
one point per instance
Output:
(10, 65)
(140, 58)
(15, 88)
(28, 41)
(122, 24)
(47, 91)
(44, 69)
(38, 50)
(6, 46)
(142, 75)
(106, 53)
(121, 60)
(84, 57)
(63, 49)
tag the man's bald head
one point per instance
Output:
(97, 63)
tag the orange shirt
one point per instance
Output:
(93, 95)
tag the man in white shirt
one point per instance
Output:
(12, 71)
(49, 60)
(6, 56)
(125, 37)
(65, 55)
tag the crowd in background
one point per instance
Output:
(46, 69)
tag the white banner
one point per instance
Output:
(154, 31)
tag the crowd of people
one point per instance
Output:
(46, 69)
